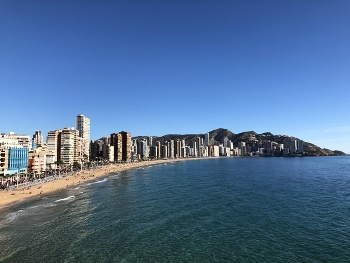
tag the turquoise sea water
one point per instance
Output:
(213, 210)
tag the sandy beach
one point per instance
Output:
(13, 197)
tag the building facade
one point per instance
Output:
(83, 126)
(122, 146)
(68, 145)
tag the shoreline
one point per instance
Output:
(18, 196)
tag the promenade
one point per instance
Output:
(36, 189)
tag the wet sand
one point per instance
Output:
(8, 198)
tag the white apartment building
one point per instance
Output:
(23, 139)
(68, 145)
(53, 148)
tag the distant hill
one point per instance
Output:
(250, 137)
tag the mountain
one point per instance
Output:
(250, 137)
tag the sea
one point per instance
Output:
(204, 210)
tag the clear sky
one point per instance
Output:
(160, 67)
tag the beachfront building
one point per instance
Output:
(13, 155)
(206, 139)
(116, 141)
(216, 151)
(18, 160)
(22, 139)
(68, 145)
(79, 150)
(14, 160)
(83, 126)
(158, 149)
(171, 149)
(199, 146)
(4, 160)
(53, 148)
(37, 160)
(122, 146)
(108, 152)
(164, 151)
(300, 146)
(143, 149)
(293, 146)
(153, 152)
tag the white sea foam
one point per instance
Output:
(13, 216)
(97, 182)
(65, 199)
(24, 212)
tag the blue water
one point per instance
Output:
(213, 210)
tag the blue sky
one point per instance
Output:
(160, 67)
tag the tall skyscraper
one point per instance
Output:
(199, 146)
(83, 126)
(158, 149)
(206, 139)
(171, 149)
(300, 146)
(126, 144)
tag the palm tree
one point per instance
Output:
(58, 163)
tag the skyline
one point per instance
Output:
(179, 67)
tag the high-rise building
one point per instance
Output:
(158, 149)
(171, 149)
(83, 126)
(164, 151)
(126, 144)
(293, 146)
(300, 146)
(206, 139)
(108, 152)
(226, 140)
(69, 143)
(37, 139)
(199, 146)
(116, 141)
(150, 141)
(153, 152)
(177, 149)
(53, 148)
(122, 146)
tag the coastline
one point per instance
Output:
(17, 196)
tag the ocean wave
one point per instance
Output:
(97, 182)
(65, 199)
(12, 216)
(23, 212)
